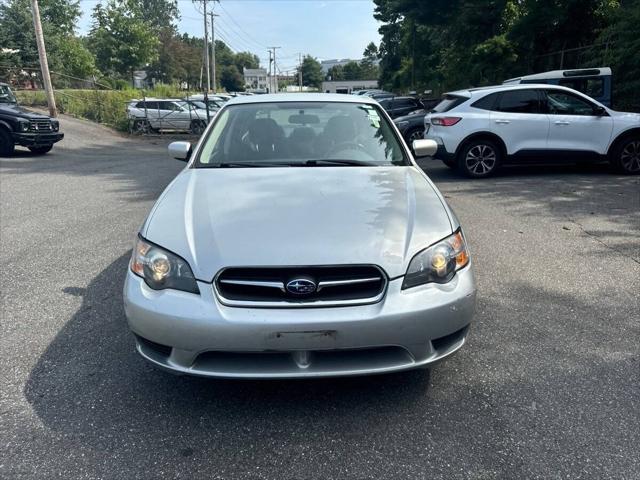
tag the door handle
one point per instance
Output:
(561, 122)
(503, 122)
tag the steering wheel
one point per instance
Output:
(339, 147)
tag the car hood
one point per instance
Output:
(18, 111)
(216, 218)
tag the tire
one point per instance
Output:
(41, 150)
(140, 126)
(6, 143)
(451, 163)
(625, 156)
(479, 158)
(414, 134)
(197, 127)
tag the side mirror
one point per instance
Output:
(424, 148)
(180, 150)
(599, 110)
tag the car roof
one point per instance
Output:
(504, 88)
(556, 74)
(300, 97)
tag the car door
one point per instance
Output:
(150, 111)
(517, 118)
(403, 106)
(177, 117)
(576, 124)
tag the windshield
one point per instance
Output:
(6, 95)
(198, 104)
(299, 134)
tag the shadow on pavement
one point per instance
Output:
(485, 411)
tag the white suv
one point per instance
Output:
(167, 114)
(477, 130)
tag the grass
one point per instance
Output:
(102, 106)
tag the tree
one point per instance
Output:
(352, 71)
(160, 14)
(311, 72)
(120, 38)
(244, 60)
(67, 54)
(231, 79)
(369, 63)
(620, 44)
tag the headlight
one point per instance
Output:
(55, 125)
(161, 269)
(24, 125)
(438, 263)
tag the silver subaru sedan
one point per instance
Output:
(300, 240)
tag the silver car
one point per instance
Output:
(301, 240)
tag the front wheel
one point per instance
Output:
(41, 150)
(6, 143)
(197, 127)
(479, 158)
(414, 134)
(626, 156)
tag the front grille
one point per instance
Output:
(317, 285)
(40, 126)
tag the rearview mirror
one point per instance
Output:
(180, 150)
(599, 110)
(424, 148)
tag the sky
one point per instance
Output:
(325, 29)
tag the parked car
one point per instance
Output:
(411, 126)
(400, 106)
(594, 82)
(19, 126)
(301, 240)
(166, 114)
(380, 95)
(479, 130)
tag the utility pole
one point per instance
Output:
(269, 74)
(213, 52)
(206, 46)
(300, 73)
(44, 65)
(275, 71)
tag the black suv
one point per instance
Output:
(19, 126)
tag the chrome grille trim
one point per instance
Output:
(354, 281)
(301, 302)
(40, 125)
(255, 283)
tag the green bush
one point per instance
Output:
(102, 106)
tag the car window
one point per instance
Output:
(486, 103)
(565, 103)
(405, 102)
(448, 102)
(140, 105)
(150, 105)
(519, 101)
(296, 132)
(6, 95)
(594, 87)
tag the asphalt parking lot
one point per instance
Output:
(547, 387)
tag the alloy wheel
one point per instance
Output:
(415, 135)
(630, 156)
(481, 159)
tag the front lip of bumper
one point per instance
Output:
(28, 139)
(406, 321)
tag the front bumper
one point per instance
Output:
(37, 139)
(197, 335)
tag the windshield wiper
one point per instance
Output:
(330, 161)
(249, 164)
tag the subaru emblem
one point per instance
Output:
(301, 286)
